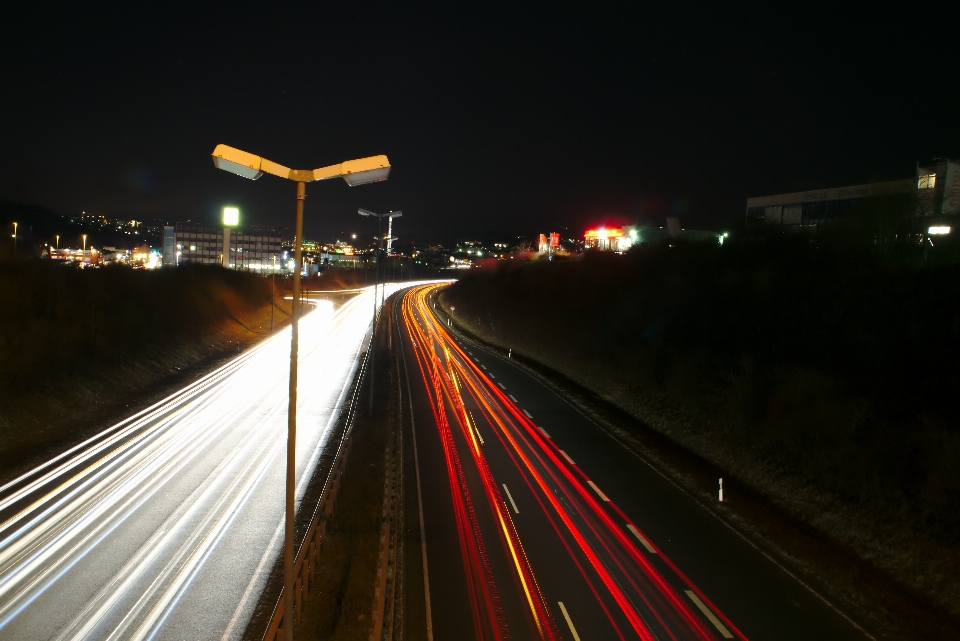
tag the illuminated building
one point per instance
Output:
(615, 239)
(250, 248)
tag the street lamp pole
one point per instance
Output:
(273, 291)
(354, 172)
(373, 331)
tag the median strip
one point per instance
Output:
(724, 632)
(640, 538)
(597, 490)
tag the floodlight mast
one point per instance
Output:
(355, 172)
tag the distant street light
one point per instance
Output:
(376, 279)
(355, 172)
(14, 240)
(83, 254)
(231, 218)
(58, 242)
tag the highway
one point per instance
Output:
(539, 524)
(166, 525)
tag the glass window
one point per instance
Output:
(927, 182)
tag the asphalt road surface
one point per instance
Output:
(165, 526)
(537, 523)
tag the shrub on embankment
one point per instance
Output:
(793, 366)
(71, 337)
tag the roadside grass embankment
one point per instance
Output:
(81, 347)
(825, 382)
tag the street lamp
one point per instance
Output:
(83, 253)
(354, 172)
(231, 218)
(14, 240)
(376, 280)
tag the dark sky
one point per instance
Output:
(512, 118)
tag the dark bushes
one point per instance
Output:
(57, 321)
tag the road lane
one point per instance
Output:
(626, 551)
(154, 529)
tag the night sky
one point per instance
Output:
(506, 118)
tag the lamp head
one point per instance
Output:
(365, 170)
(237, 162)
(231, 216)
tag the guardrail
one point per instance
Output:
(305, 561)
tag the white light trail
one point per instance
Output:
(153, 528)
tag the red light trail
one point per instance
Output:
(633, 588)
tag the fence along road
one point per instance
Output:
(165, 525)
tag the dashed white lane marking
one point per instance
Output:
(483, 366)
(640, 538)
(512, 398)
(566, 616)
(567, 456)
(597, 490)
(510, 496)
(541, 429)
(724, 632)
(529, 415)
(501, 386)
(491, 374)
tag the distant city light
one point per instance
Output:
(231, 216)
(938, 230)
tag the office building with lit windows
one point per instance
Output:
(936, 187)
(247, 248)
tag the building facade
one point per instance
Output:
(245, 248)
(937, 190)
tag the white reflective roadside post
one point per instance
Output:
(355, 172)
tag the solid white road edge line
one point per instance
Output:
(640, 538)
(597, 490)
(566, 616)
(566, 456)
(710, 615)
(510, 496)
